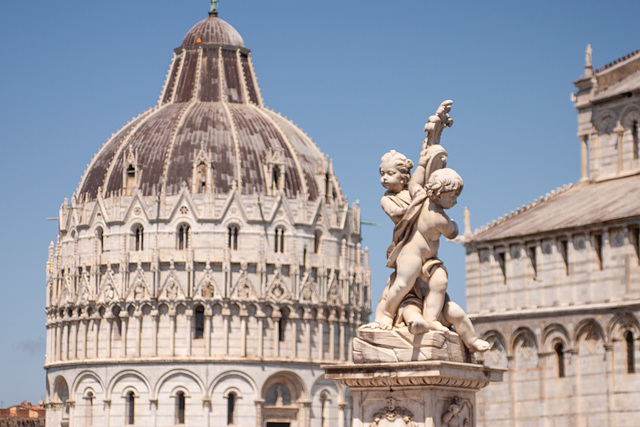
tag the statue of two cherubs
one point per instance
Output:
(415, 295)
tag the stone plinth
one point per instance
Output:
(400, 345)
(416, 394)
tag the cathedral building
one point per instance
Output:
(207, 263)
(555, 285)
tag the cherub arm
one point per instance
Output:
(448, 228)
(417, 181)
(391, 208)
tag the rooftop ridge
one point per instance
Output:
(522, 209)
(617, 61)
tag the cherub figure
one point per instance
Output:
(417, 252)
(395, 170)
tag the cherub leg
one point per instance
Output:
(434, 300)
(380, 307)
(455, 315)
(415, 321)
(408, 269)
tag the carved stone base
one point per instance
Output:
(414, 394)
(399, 345)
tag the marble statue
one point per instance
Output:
(415, 296)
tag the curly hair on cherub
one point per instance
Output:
(443, 181)
(400, 161)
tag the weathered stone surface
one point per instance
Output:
(399, 345)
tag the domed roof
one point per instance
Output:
(213, 30)
(211, 113)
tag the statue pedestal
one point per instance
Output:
(428, 393)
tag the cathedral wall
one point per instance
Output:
(601, 265)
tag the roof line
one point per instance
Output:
(522, 209)
(617, 61)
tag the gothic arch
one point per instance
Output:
(589, 326)
(177, 372)
(629, 114)
(620, 322)
(526, 335)
(122, 375)
(290, 380)
(555, 333)
(86, 375)
(221, 378)
(605, 122)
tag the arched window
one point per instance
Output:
(138, 238)
(131, 179)
(275, 179)
(279, 240)
(282, 324)
(634, 134)
(183, 236)
(631, 361)
(202, 177)
(130, 408)
(100, 237)
(180, 407)
(559, 349)
(88, 409)
(198, 330)
(232, 235)
(317, 237)
(324, 409)
(231, 409)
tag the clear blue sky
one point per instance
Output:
(360, 77)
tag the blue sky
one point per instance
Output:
(359, 77)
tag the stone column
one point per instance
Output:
(342, 338)
(584, 157)
(307, 325)
(85, 350)
(226, 321)
(154, 331)
(619, 130)
(243, 332)
(107, 413)
(172, 332)
(259, 406)
(124, 320)
(189, 332)
(206, 411)
(332, 337)
(260, 321)
(110, 334)
(96, 335)
(153, 404)
(138, 316)
(430, 393)
(207, 331)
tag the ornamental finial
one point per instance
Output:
(214, 7)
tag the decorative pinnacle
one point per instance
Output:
(214, 7)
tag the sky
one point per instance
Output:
(360, 77)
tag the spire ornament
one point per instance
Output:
(214, 7)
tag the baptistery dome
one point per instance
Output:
(211, 104)
(207, 263)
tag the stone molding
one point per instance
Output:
(428, 373)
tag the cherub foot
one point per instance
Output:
(418, 326)
(437, 326)
(479, 345)
(371, 325)
(386, 322)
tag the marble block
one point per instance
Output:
(399, 345)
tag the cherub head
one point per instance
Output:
(395, 171)
(444, 187)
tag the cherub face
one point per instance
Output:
(391, 178)
(447, 200)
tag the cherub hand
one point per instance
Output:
(418, 191)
